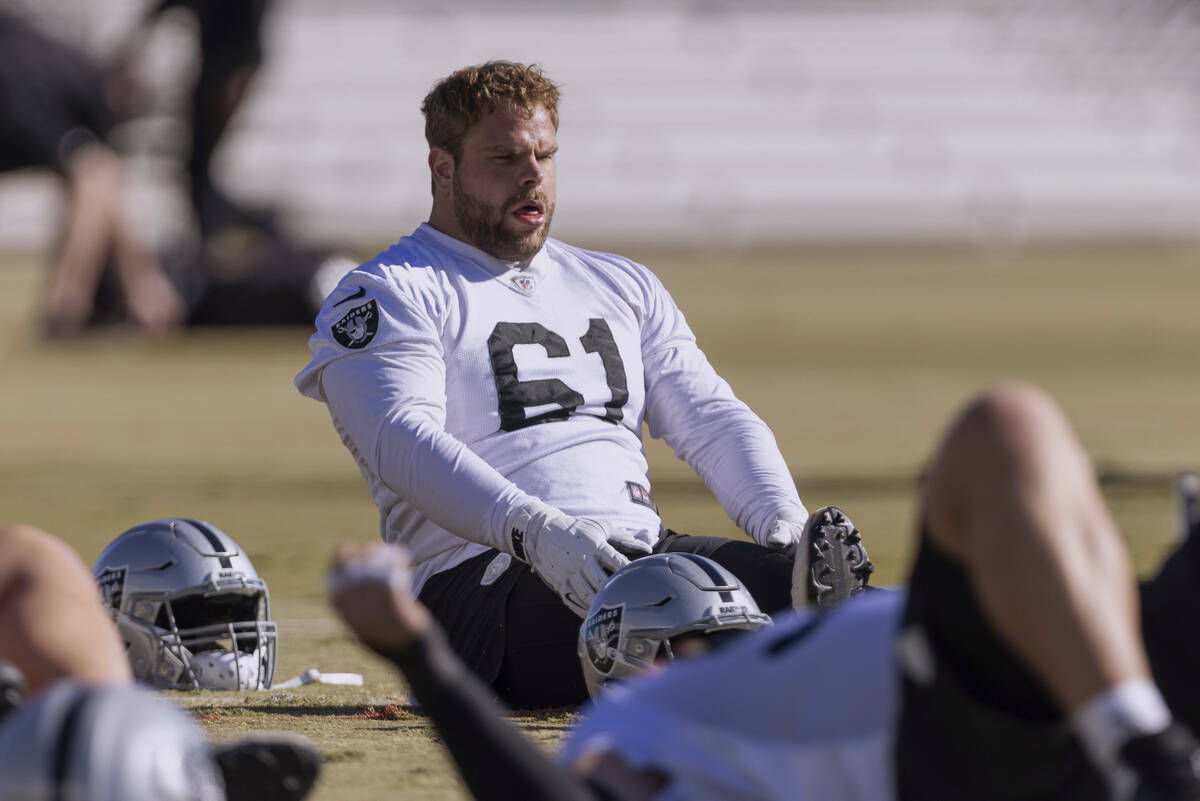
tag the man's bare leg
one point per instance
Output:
(98, 223)
(93, 207)
(53, 624)
(1014, 498)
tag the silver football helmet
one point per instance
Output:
(104, 744)
(642, 613)
(190, 607)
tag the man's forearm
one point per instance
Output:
(495, 760)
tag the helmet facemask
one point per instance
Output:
(190, 606)
(219, 639)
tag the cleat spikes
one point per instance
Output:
(831, 564)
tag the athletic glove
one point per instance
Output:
(786, 529)
(570, 554)
(629, 543)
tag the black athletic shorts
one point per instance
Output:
(984, 728)
(1170, 608)
(51, 99)
(516, 634)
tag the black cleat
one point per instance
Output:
(831, 562)
(268, 766)
(1167, 765)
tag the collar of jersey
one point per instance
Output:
(497, 269)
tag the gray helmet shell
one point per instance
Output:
(104, 744)
(647, 602)
(190, 606)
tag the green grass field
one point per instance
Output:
(855, 358)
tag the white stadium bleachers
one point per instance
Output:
(707, 120)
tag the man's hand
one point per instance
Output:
(628, 543)
(371, 588)
(570, 554)
(787, 529)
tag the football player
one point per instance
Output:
(55, 632)
(1013, 667)
(491, 383)
(115, 743)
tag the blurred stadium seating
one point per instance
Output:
(698, 120)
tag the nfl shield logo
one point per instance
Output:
(524, 283)
(601, 635)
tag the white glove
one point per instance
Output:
(570, 554)
(786, 529)
(632, 542)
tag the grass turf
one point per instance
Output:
(855, 358)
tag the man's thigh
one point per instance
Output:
(766, 574)
(509, 628)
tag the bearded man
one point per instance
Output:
(491, 383)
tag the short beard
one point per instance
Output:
(484, 226)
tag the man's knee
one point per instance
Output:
(1008, 436)
(28, 551)
(1007, 418)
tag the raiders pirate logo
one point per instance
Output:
(112, 588)
(524, 284)
(357, 327)
(601, 635)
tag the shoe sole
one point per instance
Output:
(836, 566)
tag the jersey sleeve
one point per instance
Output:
(389, 407)
(379, 367)
(695, 412)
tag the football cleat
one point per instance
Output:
(1166, 764)
(831, 562)
(268, 766)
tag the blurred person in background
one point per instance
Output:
(229, 40)
(245, 267)
(55, 114)
(1015, 667)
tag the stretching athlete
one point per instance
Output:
(491, 384)
(57, 639)
(1012, 668)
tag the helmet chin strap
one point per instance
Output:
(225, 670)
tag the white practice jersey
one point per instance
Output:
(463, 386)
(804, 710)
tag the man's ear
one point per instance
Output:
(441, 167)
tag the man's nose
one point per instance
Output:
(531, 171)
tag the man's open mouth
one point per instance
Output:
(531, 212)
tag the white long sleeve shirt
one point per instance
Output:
(463, 386)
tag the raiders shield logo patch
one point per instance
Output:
(357, 327)
(112, 588)
(601, 635)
